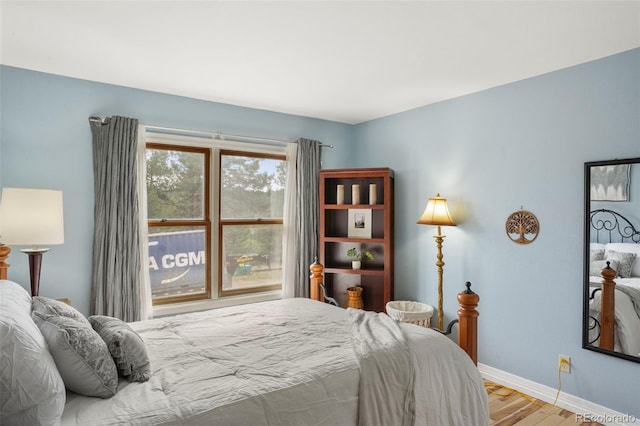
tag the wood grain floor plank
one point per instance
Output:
(508, 407)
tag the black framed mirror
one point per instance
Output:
(611, 310)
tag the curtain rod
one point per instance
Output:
(214, 135)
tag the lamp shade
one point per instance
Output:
(31, 217)
(436, 213)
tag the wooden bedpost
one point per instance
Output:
(4, 266)
(607, 308)
(315, 280)
(468, 322)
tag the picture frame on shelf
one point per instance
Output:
(359, 223)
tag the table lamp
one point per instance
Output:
(32, 217)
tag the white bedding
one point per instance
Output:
(627, 319)
(286, 362)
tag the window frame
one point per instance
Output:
(215, 145)
(241, 222)
(205, 221)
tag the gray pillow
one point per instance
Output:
(126, 346)
(82, 357)
(596, 254)
(47, 306)
(625, 262)
(597, 266)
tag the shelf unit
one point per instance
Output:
(336, 221)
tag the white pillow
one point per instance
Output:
(82, 357)
(626, 248)
(31, 389)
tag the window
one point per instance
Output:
(251, 224)
(215, 218)
(179, 222)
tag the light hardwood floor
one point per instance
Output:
(509, 407)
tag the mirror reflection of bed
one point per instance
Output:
(612, 258)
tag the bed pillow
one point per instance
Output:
(596, 267)
(47, 306)
(31, 387)
(625, 262)
(628, 248)
(596, 254)
(82, 357)
(125, 345)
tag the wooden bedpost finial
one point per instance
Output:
(316, 268)
(607, 307)
(315, 281)
(608, 273)
(468, 322)
(4, 266)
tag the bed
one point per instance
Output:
(614, 283)
(285, 362)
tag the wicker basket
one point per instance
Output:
(410, 312)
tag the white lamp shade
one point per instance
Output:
(436, 213)
(31, 217)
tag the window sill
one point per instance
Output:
(203, 305)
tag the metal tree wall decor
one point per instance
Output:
(520, 225)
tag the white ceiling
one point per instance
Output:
(348, 61)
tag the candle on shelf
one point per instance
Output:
(355, 194)
(373, 193)
(340, 194)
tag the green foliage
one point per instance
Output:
(356, 255)
(251, 188)
(175, 188)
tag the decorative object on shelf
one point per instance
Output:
(610, 183)
(359, 223)
(340, 194)
(373, 193)
(437, 213)
(354, 297)
(355, 194)
(520, 224)
(357, 257)
(32, 217)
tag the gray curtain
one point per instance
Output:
(115, 289)
(307, 211)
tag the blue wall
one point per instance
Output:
(46, 143)
(522, 144)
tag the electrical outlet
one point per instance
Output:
(564, 363)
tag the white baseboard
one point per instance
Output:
(569, 402)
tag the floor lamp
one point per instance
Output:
(32, 217)
(437, 213)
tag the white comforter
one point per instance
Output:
(286, 362)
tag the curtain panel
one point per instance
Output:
(289, 242)
(115, 289)
(308, 207)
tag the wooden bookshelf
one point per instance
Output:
(337, 231)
